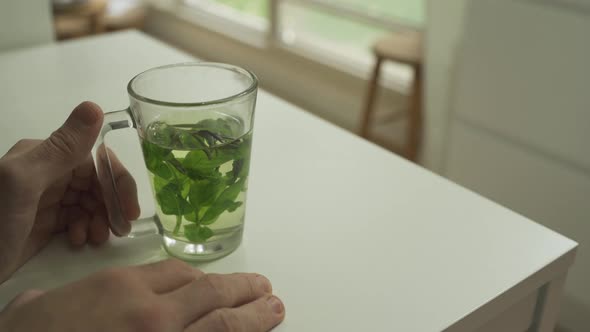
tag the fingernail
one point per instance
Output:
(276, 304)
(264, 283)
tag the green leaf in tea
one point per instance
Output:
(197, 234)
(204, 192)
(155, 157)
(225, 201)
(198, 171)
(188, 141)
(217, 209)
(220, 127)
(161, 134)
(201, 166)
(171, 202)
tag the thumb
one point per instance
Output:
(68, 146)
(24, 297)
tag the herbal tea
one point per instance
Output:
(199, 174)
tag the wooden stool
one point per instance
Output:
(79, 19)
(403, 48)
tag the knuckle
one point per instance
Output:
(62, 142)
(225, 320)
(253, 286)
(215, 285)
(149, 317)
(260, 319)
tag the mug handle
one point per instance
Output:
(122, 119)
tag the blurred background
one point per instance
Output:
(491, 94)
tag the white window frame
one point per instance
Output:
(261, 33)
(225, 20)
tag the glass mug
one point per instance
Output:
(194, 122)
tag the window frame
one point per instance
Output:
(262, 33)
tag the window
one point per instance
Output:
(337, 32)
(257, 8)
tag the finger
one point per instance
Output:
(257, 316)
(98, 229)
(214, 291)
(77, 220)
(70, 197)
(83, 175)
(89, 202)
(126, 186)
(68, 146)
(168, 275)
(24, 297)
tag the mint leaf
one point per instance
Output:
(192, 187)
(218, 158)
(171, 202)
(234, 206)
(231, 192)
(204, 192)
(162, 171)
(201, 166)
(224, 202)
(217, 209)
(220, 126)
(188, 141)
(177, 165)
(159, 183)
(161, 134)
(197, 234)
(178, 184)
(193, 159)
(155, 152)
(191, 217)
(154, 159)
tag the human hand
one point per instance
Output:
(50, 186)
(166, 296)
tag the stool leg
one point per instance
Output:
(370, 101)
(97, 23)
(414, 133)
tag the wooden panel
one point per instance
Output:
(523, 73)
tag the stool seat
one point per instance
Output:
(78, 18)
(71, 26)
(125, 14)
(403, 47)
(81, 8)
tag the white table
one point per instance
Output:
(352, 237)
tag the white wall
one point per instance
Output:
(25, 23)
(518, 122)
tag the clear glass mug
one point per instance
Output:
(194, 122)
